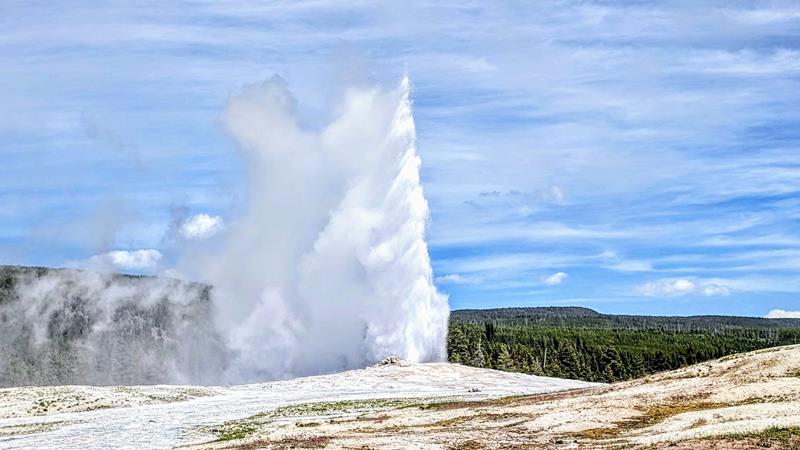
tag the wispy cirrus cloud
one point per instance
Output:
(664, 132)
(454, 278)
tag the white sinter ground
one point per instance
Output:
(166, 425)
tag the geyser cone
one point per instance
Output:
(329, 268)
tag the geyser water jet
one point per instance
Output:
(329, 268)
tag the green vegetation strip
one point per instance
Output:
(581, 344)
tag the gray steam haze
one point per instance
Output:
(63, 326)
(328, 268)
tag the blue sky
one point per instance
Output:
(636, 157)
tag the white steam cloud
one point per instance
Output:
(329, 268)
(144, 259)
(63, 326)
(201, 226)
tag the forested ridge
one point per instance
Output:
(583, 344)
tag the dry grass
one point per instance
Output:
(770, 438)
(466, 445)
(285, 443)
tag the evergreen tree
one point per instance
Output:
(489, 331)
(535, 367)
(457, 351)
(504, 360)
(477, 358)
(569, 361)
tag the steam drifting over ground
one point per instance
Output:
(76, 327)
(328, 268)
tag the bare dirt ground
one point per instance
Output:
(743, 401)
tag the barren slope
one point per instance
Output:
(743, 401)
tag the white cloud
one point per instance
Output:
(201, 226)
(711, 290)
(124, 259)
(615, 262)
(556, 278)
(782, 314)
(452, 278)
(682, 286)
(470, 233)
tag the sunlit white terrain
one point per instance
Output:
(167, 416)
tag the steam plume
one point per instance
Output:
(329, 268)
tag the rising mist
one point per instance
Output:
(326, 270)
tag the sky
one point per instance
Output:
(631, 157)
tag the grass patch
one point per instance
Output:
(237, 429)
(659, 413)
(449, 422)
(327, 408)
(240, 429)
(779, 437)
(307, 424)
(649, 417)
(466, 445)
(450, 404)
(231, 431)
(19, 430)
(503, 401)
(488, 417)
(290, 442)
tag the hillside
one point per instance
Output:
(580, 343)
(743, 401)
(578, 317)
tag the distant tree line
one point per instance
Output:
(578, 345)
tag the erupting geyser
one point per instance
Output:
(329, 268)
